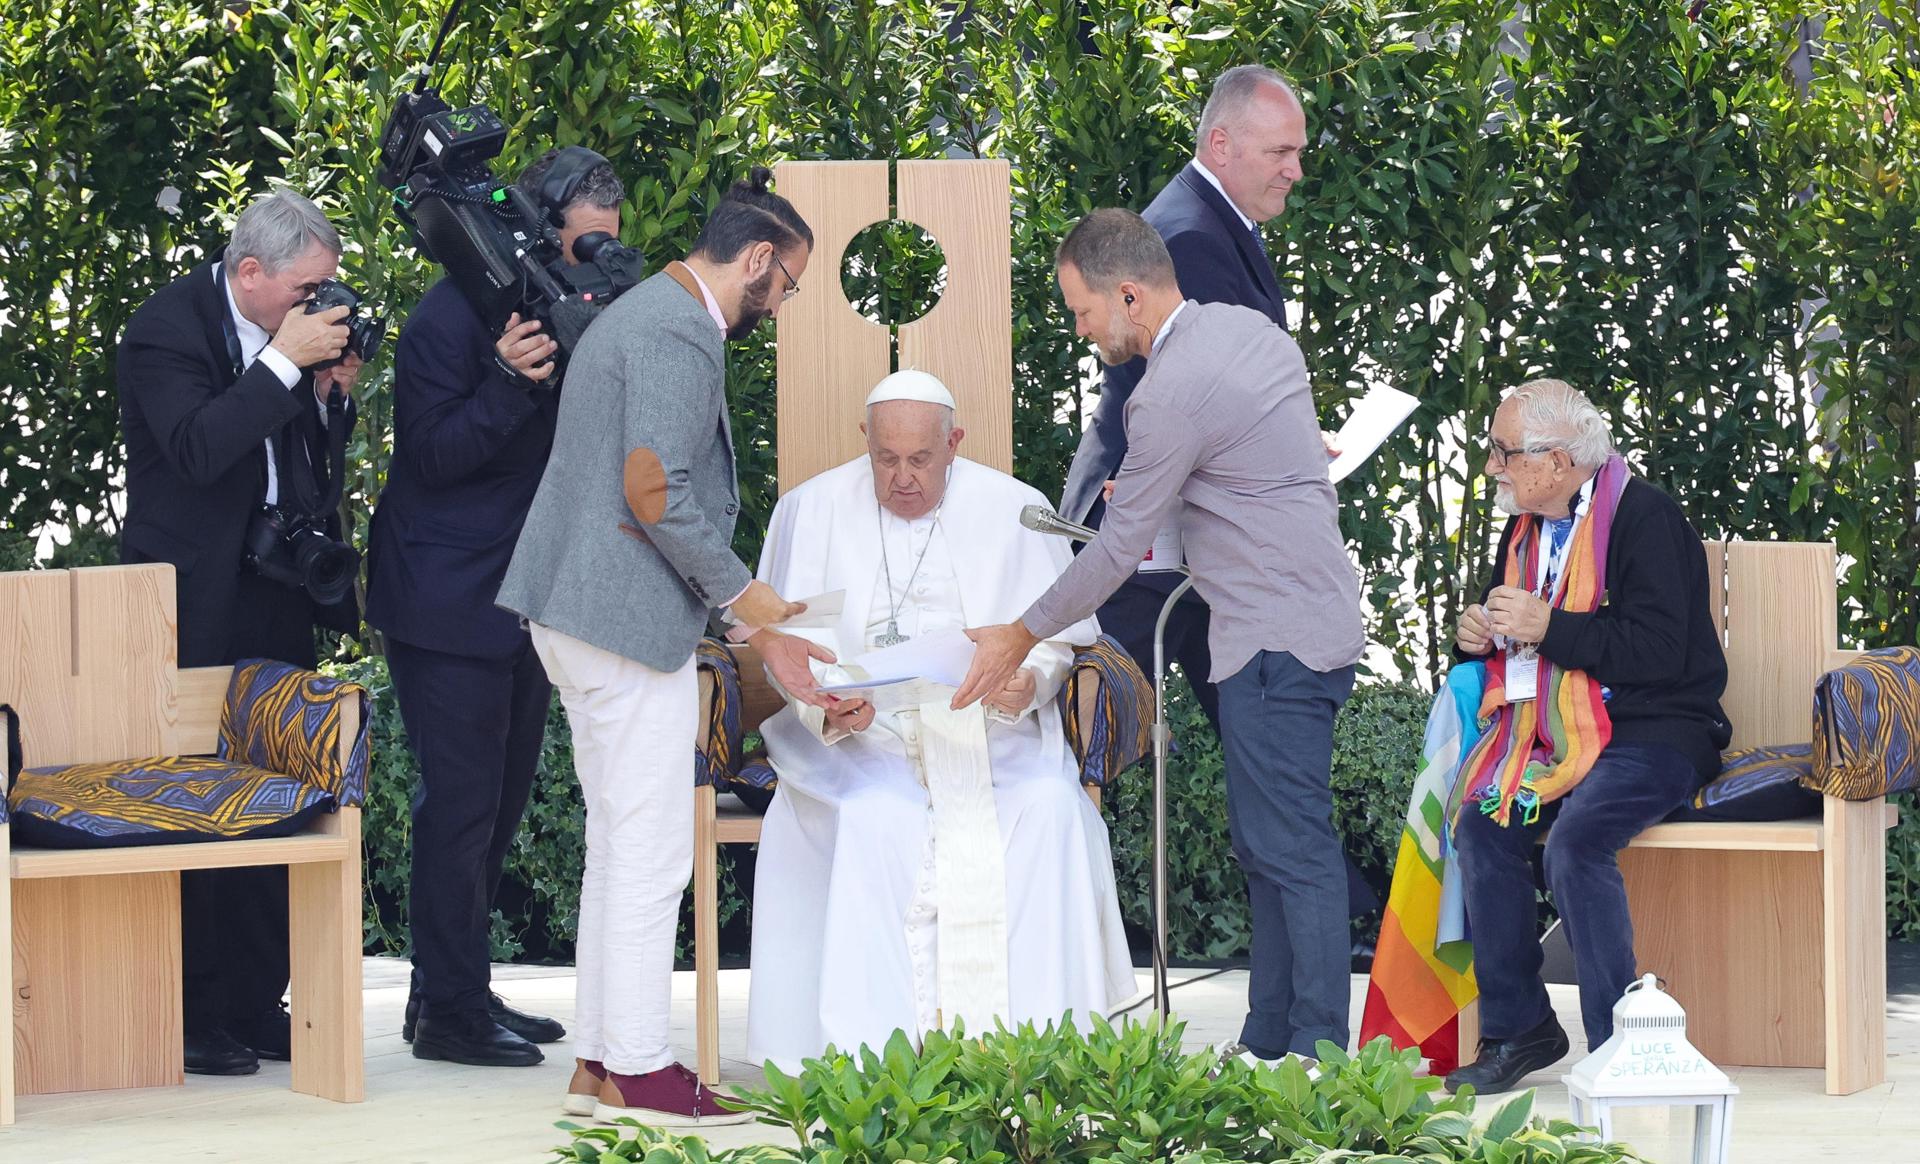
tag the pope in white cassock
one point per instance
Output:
(920, 865)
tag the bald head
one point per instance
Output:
(1250, 137)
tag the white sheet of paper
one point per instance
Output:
(1523, 674)
(1374, 418)
(942, 657)
(823, 610)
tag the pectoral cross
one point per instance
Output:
(891, 637)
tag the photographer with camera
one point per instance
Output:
(235, 405)
(473, 424)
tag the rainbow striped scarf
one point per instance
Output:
(1536, 750)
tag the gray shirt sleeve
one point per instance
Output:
(1163, 446)
(678, 426)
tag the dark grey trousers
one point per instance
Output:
(1276, 726)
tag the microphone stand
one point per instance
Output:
(1040, 519)
(1162, 743)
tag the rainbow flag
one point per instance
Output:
(1423, 964)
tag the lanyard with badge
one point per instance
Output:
(1523, 659)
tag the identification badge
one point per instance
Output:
(1523, 673)
(1167, 552)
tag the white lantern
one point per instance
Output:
(1649, 1063)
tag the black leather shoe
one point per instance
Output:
(212, 1051)
(412, 1020)
(534, 1028)
(475, 1040)
(270, 1036)
(1503, 1063)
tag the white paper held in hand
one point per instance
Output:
(822, 610)
(1374, 418)
(941, 657)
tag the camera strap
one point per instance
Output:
(297, 475)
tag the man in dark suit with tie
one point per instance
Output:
(1246, 159)
(473, 424)
(222, 414)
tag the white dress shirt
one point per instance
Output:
(254, 345)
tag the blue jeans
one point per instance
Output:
(1276, 728)
(1630, 787)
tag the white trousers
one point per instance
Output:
(633, 737)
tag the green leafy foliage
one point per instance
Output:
(629, 1140)
(1118, 1095)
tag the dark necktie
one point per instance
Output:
(1259, 243)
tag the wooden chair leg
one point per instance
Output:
(329, 1055)
(1855, 944)
(6, 971)
(706, 932)
(1470, 1032)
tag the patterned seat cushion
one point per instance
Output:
(1757, 784)
(1866, 720)
(160, 801)
(287, 720)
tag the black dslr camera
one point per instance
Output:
(500, 245)
(291, 548)
(365, 330)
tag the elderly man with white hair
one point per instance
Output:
(1602, 705)
(920, 865)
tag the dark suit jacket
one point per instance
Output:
(196, 466)
(469, 447)
(1216, 260)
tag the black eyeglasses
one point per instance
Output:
(1502, 453)
(793, 285)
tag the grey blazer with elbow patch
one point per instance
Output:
(643, 415)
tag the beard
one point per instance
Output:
(1114, 350)
(1505, 501)
(752, 313)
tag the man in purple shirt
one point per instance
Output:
(1221, 430)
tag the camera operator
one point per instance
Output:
(224, 417)
(473, 424)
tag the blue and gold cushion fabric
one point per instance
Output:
(1866, 719)
(287, 720)
(1122, 719)
(717, 752)
(1757, 784)
(159, 801)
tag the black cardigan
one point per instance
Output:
(1652, 642)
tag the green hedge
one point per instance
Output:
(1643, 203)
(1376, 751)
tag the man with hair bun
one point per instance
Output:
(1223, 422)
(625, 553)
(1597, 607)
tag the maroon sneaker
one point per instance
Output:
(672, 1097)
(583, 1093)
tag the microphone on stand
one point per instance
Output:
(1040, 519)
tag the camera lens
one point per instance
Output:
(327, 567)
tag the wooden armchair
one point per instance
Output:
(1771, 934)
(87, 660)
